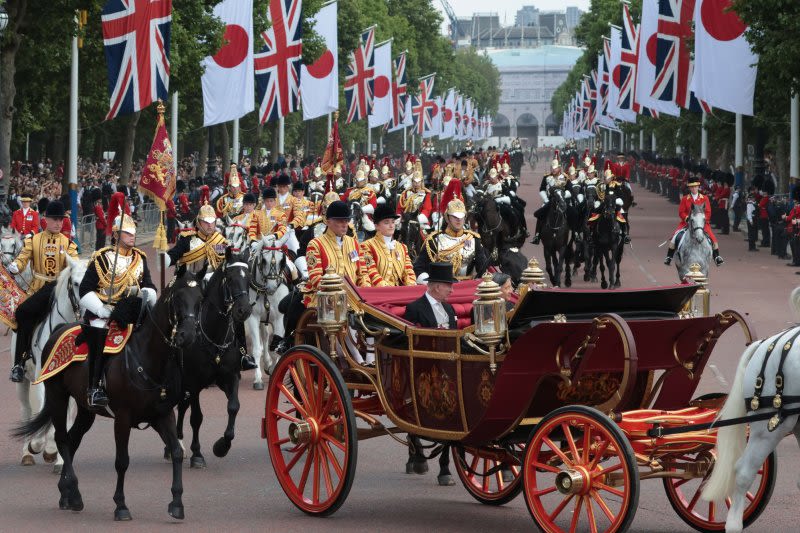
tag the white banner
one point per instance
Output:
(382, 103)
(319, 82)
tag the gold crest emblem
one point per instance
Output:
(437, 393)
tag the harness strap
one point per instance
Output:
(659, 431)
(755, 401)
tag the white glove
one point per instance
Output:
(596, 204)
(503, 200)
(13, 268)
(543, 195)
(580, 198)
(302, 266)
(567, 195)
(91, 302)
(381, 200)
(149, 296)
(167, 260)
(423, 220)
(368, 209)
(255, 246)
(618, 201)
(422, 279)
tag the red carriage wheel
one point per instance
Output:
(487, 480)
(684, 495)
(580, 473)
(311, 431)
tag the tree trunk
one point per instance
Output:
(274, 131)
(226, 147)
(128, 146)
(781, 163)
(255, 157)
(17, 10)
(202, 160)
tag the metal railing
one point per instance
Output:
(148, 216)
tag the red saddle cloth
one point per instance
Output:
(65, 351)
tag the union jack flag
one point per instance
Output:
(607, 78)
(674, 64)
(277, 65)
(399, 93)
(627, 64)
(359, 81)
(423, 105)
(136, 36)
(591, 82)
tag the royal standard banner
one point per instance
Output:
(158, 175)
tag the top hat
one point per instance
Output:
(55, 209)
(269, 192)
(441, 273)
(338, 210)
(284, 179)
(298, 186)
(249, 198)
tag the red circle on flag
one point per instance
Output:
(234, 47)
(321, 67)
(617, 74)
(434, 110)
(381, 86)
(721, 24)
(652, 44)
(448, 114)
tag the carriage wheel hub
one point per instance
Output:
(573, 481)
(303, 432)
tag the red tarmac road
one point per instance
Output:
(240, 492)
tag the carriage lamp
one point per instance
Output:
(701, 301)
(489, 311)
(532, 276)
(331, 306)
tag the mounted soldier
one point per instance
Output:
(405, 179)
(230, 204)
(365, 199)
(114, 275)
(612, 191)
(455, 245)
(304, 211)
(46, 253)
(270, 219)
(688, 202)
(555, 179)
(416, 201)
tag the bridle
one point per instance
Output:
(274, 272)
(228, 300)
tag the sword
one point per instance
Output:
(110, 290)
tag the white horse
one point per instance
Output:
(236, 234)
(10, 247)
(694, 246)
(31, 397)
(739, 458)
(271, 272)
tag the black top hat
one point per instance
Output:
(269, 192)
(249, 198)
(382, 212)
(284, 179)
(441, 273)
(55, 209)
(338, 210)
(298, 186)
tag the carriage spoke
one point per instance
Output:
(326, 471)
(293, 400)
(606, 471)
(299, 452)
(498, 476)
(332, 459)
(576, 515)
(548, 468)
(570, 441)
(603, 505)
(694, 500)
(612, 490)
(301, 485)
(587, 441)
(728, 502)
(326, 409)
(560, 507)
(599, 454)
(485, 478)
(590, 514)
(300, 386)
(333, 441)
(556, 450)
(287, 416)
(311, 382)
(681, 482)
(750, 496)
(712, 507)
(315, 486)
(544, 492)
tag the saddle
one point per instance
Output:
(679, 237)
(69, 348)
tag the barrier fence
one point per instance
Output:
(147, 215)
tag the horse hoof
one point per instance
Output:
(197, 462)
(604, 285)
(568, 283)
(76, 504)
(586, 277)
(258, 386)
(50, 457)
(28, 460)
(175, 511)
(417, 467)
(445, 480)
(221, 447)
(122, 515)
(33, 449)
(63, 503)
(57, 468)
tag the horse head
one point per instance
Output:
(10, 246)
(697, 222)
(236, 234)
(68, 283)
(183, 300)
(235, 283)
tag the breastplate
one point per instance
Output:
(460, 256)
(234, 205)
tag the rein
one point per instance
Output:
(228, 300)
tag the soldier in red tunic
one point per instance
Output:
(25, 221)
(687, 202)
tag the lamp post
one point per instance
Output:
(3, 26)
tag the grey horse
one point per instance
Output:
(695, 246)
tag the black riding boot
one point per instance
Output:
(717, 258)
(536, 231)
(670, 253)
(625, 233)
(96, 339)
(21, 351)
(248, 363)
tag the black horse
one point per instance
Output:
(410, 235)
(555, 238)
(499, 237)
(143, 384)
(214, 358)
(608, 245)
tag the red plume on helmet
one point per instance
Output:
(556, 154)
(452, 192)
(205, 195)
(506, 158)
(586, 153)
(571, 162)
(115, 207)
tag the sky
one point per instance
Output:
(507, 9)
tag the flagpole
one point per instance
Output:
(405, 139)
(739, 161)
(73, 134)
(794, 162)
(369, 140)
(413, 150)
(641, 140)
(380, 143)
(330, 124)
(653, 145)
(281, 132)
(173, 125)
(703, 139)
(235, 141)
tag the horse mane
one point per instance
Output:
(62, 282)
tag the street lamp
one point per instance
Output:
(3, 26)
(3, 19)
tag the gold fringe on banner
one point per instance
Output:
(160, 239)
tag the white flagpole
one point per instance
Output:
(369, 140)
(703, 139)
(330, 124)
(281, 132)
(380, 144)
(653, 145)
(405, 139)
(641, 140)
(235, 143)
(173, 126)
(413, 149)
(794, 161)
(739, 160)
(73, 132)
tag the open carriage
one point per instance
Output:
(566, 398)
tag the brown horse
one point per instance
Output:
(143, 384)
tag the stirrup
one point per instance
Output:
(248, 362)
(668, 260)
(17, 374)
(96, 398)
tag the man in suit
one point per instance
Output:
(432, 309)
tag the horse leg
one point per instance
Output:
(611, 269)
(183, 405)
(602, 262)
(618, 260)
(796, 432)
(251, 326)
(416, 457)
(761, 443)
(165, 426)
(567, 273)
(83, 422)
(231, 390)
(122, 434)
(29, 445)
(195, 420)
(445, 478)
(68, 482)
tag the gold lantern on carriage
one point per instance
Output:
(700, 304)
(489, 310)
(532, 278)
(331, 306)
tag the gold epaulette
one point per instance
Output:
(101, 251)
(474, 234)
(187, 232)
(140, 252)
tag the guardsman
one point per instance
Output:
(387, 260)
(695, 197)
(455, 245)
(554, 179)
(99, 220)
(611, 191)
(25, 220)
(417, 199)
(46, 252)
(365, 196)
(304, 211)
(270, 219)
(115, 273)
(334, 248)
(374, 183)
(405, 179)
(230, 203)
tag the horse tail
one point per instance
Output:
(731, 440)
(34, 426)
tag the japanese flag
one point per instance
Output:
(319, 82)
(448, 115)
(725, 67)
(382, 104)
(228, 82)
